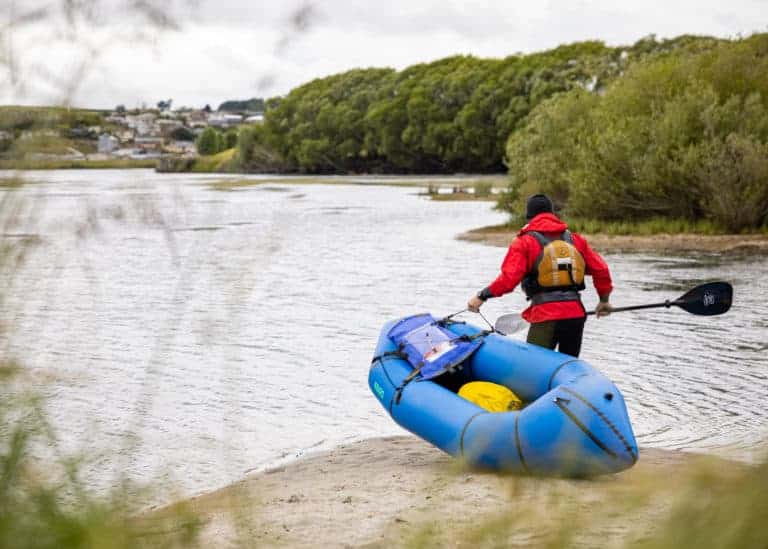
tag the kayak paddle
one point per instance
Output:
(712, 298)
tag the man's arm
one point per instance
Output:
(513, 269)
(601, 275)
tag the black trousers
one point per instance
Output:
(564, 334)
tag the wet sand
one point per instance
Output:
(401, 491)
(496, 236)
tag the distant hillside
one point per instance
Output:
(17, 118)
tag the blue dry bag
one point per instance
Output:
(430, 348)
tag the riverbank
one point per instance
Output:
(401, 491)
(109, 164)
(723, 243)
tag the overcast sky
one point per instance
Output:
(232, 49)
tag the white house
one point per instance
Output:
(107, 143)
(197, 119)
(143, 123)
(225, 120)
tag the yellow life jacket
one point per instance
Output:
(558, 272)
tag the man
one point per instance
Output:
(550, 262)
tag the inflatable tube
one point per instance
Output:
(575, 422)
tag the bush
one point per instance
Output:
(679, 136)
(734, 175)
(211, 141)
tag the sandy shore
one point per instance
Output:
(401, 491)
(495, 236)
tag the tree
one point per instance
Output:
(209, 142)
(681, 135)
(230, 139)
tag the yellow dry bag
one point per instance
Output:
(490, 396)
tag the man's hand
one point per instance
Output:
(603, 309)
(474, 304)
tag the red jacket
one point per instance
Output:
(520, 260)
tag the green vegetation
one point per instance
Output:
(657, 135)
(220, 162)
(254, 154)
(655, 225)
(682, 136)
(26, 132)
(452, 115)
(211, 141)
(18, 119)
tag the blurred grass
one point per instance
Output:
(44, 503)
(707, 506)
(715, 510)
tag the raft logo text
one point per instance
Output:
(378, 390)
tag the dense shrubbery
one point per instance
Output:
(253, 154)
(683, 136)
(451, 115)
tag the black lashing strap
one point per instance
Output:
(399, 391)
(519, 446)
(561, 403)
(607, 421)
(380, 358)
(557, 371)
(417, 370)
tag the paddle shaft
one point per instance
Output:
(712, 298)
(666, 304)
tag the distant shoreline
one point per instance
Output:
(502, 236)
(45, 165)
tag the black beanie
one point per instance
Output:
(538, 203)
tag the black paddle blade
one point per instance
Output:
(708, 299)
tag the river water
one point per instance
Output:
(187, 334)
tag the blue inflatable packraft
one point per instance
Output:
(575, 422)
